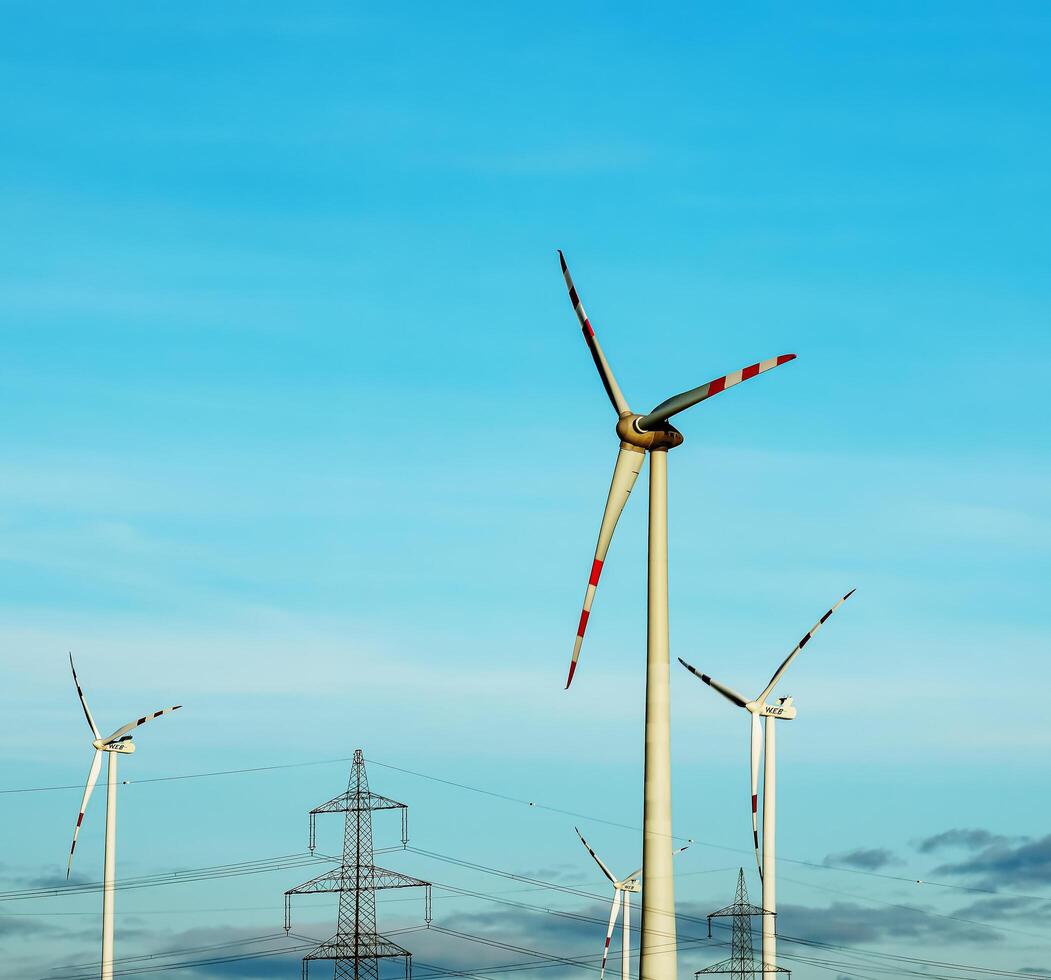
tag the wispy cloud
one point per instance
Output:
(966, 838)
(866, 858)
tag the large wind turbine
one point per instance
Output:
(625, 887)
(639, 434)
(119, 743)
(765, 743)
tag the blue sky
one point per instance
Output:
(299, 430)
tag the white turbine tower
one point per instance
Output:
(625, 887)
(639, 434)
(764, 743)
(119, 743)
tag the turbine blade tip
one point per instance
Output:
(562, 260)
(849, 594)
(572, 671)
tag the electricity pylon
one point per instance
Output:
(741, 964)
(357, 948)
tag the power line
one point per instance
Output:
(523, 801)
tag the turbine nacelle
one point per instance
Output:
(633, 435)
(123, 745)
(782, 711)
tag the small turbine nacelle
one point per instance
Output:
(629, 885)
(783, 710)
(123, 745)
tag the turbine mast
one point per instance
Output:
(657, 952)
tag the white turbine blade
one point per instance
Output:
(727, 692)
(625, 473)
(83, 700)
(609, 382)
(679, 403)
(124, 729)
(613, 911)
(757, 748)
(638, 871)
(799, 646)
(598, 860)
(93, 776)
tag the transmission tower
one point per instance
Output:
(741, 963)
(357, 948)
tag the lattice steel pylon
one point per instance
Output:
(741, 963)
(357, 948)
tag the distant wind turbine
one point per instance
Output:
(119, 743)
(625, 887)
(639, 434)
(782, 711)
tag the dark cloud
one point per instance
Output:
(848, 923)
(20, 925)
(1008, 907)
(964, 838)
(866, 858)
(1002, 864)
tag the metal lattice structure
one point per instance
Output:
(741, 963)
(357, 948)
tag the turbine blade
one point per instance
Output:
(93, 776)
(598, 860)
(609, 382)
(799, 646)
(757, 748)
(124, 729)
(727, 692)
(638, 871)
(679, 403)
(83, 700)
(613, 912)
(625, 473)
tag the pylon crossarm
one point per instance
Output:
(351, 801)
(731, 910)
(330, 881)
(365, 947)
(723, 966)
(382, 878)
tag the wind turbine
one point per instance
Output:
(117, 744)
(625, 887)
(766, 745)
(639, 434)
